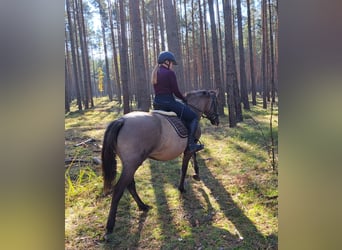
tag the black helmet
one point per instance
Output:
(166, 55)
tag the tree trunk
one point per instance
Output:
(230, 64)
(68, 75)
(263, 56)
(77, 53)
(115, 54)
(194, 71)
(146, 50)
(220, 50)
(66, 86)
(161, 19)
(272, 53)
(208, 79)
(216, 60)
(155, 29)
(251, 58)
(138, 55)
(104, 40)
(173, 40)
(243, 79)
(124, 58)
(187, 66)
(83, 55)
(204, 58)
(73, 55)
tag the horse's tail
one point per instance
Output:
(108, 154)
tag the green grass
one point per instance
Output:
(234, 206)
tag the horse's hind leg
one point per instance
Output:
(125, 179)
(195, 164)
(131, 188)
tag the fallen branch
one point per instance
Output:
(272, 197)
(97, 160)
(84, 142)
(94, 160)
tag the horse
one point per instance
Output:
(139, 135)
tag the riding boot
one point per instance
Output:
(192, 146)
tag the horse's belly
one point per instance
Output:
(170, 146)
(169, 152)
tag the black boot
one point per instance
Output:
(192, 146)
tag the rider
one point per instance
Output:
(165, 87)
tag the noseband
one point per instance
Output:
(212, 114)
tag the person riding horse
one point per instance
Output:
(166, 87)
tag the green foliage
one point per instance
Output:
(234, 206)
(100, 75)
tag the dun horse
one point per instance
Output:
(137, 136)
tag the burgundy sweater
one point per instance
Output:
(167, 83)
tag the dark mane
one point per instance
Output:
(196, 93)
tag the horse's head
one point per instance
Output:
(205, 101)
(212, 112)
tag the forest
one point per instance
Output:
(111, 47)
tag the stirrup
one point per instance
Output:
(195, 147)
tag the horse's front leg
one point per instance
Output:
(186, 158)
(196, 175)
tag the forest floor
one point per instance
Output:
(233, 206)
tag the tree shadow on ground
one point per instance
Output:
(196, 210)
(252, 237)
(123, 225)
(190, 214)
(201, 216)
(169, 232)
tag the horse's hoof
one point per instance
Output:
(107, 237)
(196, 177)
(145, 208)
(107, 193)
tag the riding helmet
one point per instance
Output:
(166, 55)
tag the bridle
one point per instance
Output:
(212, 113)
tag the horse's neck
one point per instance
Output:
(196, 107)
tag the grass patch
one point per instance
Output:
(234, 206)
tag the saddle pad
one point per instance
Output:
(178, 125)
(165, 113)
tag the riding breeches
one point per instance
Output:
(167, 102)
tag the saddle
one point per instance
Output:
(176, 123)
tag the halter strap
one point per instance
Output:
(211, 114)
